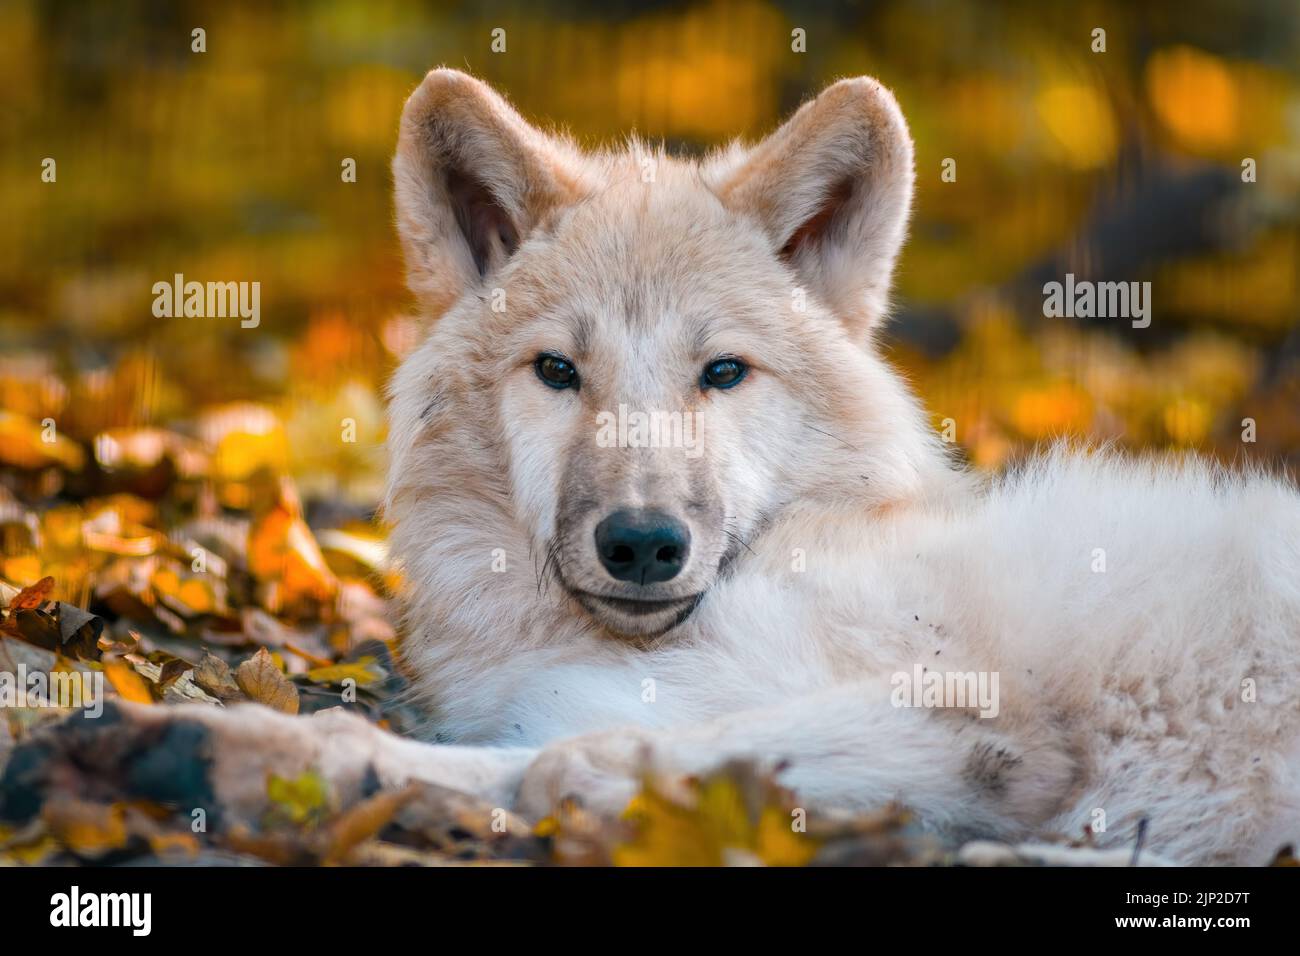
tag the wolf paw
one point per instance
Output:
(602, 772)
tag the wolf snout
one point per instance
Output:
(643, 546)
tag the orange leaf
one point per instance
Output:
(127, 682)
(282, 549)
(32, 597)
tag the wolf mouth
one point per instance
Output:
(649, 612)
(635, 607)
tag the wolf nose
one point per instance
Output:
(642, 546)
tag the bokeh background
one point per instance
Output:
(118, 428)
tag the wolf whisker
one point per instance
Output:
(837, 438)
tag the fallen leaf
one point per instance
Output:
(79, 630)
(23, 444)
(214, 676)
(127, 682)
(303, 800)
(30, 845)
(188, 595)
(166, 844)
(364, 671)
(183, 690)
(90, 830)
(262, 681)
(364, 820)
(32, 597)
(735, 816)
(283, 552)
(314, 660)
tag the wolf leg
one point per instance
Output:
(843, 748)
(219, 760)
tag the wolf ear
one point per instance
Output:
(472, 179)
(833, 190)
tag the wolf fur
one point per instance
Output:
(837, 544)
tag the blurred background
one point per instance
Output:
(124, 436)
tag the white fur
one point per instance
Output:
(1121, 691)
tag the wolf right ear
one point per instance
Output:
(472, 179)
(832, 188)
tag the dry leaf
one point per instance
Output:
(79, 630)
(361, 822)
(32, 597)
(262, 681)
(214, 676)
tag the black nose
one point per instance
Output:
(642, 546)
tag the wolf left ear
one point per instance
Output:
(833, 190)
(472, 179)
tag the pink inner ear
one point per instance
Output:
(821, 222)
(484, 223)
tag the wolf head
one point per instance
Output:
(637, 362)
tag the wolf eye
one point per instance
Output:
(724, 373)
(556, 371)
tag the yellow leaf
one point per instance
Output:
(189, 595)
(777, 842)
(24, 444)
(668, 834)
(165, 843)
(301, 800)
(360, 671)
(732, 816)
(34, 853)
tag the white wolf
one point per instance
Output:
(576, 608)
